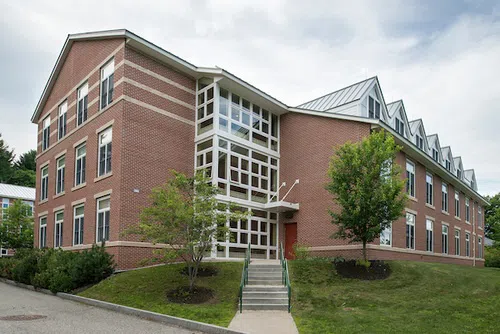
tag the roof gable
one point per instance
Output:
(417, 127)
(470, 176)
(395, 110)
(433, 141)
(448, 155)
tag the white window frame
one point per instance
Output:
(105, 141)
(400, 126)
(411, 176)
(448, 164)
(44, 183)
(467, 244)
(410, 237)
(5, 205)
(58, 229)
(46, 133)
(62, 120)
(429, 186)
(103, 211)
(457, 242)
(445, 239)
(435, 154)
(429, 235)
(80, 164)
(107, 84)
(375, 103)
(480, 247)
(78, 224)
(457, 204)
(444, 197)
(82, 97)
(419, 141)
(467, 210)
(42, 232)
(386, 236)
(60, 174)
(479, 217)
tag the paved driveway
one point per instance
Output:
(64, 316)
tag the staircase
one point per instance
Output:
(265, 289)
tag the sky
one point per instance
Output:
(441, 57)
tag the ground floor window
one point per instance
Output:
(430, 236)
(444, 239)
(386, 236)
(43, 232)
(103, 210)
(78, 225)
(467, 244)
(410, 231)
(58, 229)
(480, 247)
(457, 242)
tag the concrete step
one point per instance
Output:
(253, 281)
(265, 275)
(265, 266)
(265, 270)
(264, 294)
(265, 288)
(268, 301)
(266, 307)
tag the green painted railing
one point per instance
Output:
(244, 276)
(285, 278)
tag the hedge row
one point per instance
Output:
(492, 256)
(58, 270)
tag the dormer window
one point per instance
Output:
(435, 155)
(459, 173)
(448, 165)
(420, 142)
(373, 108)
(400, 127)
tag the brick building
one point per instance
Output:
(119, 112)
(8, 194)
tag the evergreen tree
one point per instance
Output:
(6, 159)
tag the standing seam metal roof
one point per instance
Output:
(12, 191)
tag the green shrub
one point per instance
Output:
(302, 252)
(338, 259)
(92, 266)
(492, 257)
(364, 263)
(6, 267)
(27, 267)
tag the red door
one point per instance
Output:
(290, 240)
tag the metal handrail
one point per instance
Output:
(285, 278)
(244, 275)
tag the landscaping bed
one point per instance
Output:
(162, 289)
(417, 297)
(376, 270)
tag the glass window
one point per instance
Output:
(386, 236)
(429, 236)
(430, 189)
(5, 206)
(44, 183)
(480, 247)
(58, 229)
(435, 154)
(107, 83)
(479, 216)
(105, 139)
(61, 120)
(78, 225)
(457, 242)
(46, 133)
(444, 239)
(103, 210)
(467, 244)
(457, 204)
(373, 108)
(80, 164)
(61, 168)
(43, 232)
(82, 104)
(467, 210)
(410, 231)
(444, 197)
(410, 178)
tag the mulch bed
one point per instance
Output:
(207, 271)
(377, 270)
(182, 295)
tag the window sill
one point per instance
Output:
(59, 195)
(445, 213)
(479, 227)
(81, 185)
(458, 218)
(413, 198)
(102, 177)
(468, 223)
(43, 201)
(430, 206)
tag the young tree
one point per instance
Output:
(367, 185)
(16, 227)
(492, 218)
(185, 216)
(6, 158)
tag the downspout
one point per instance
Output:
(474, 236)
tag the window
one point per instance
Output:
(373, 108)
(410, 231)
(435, 155)
(44, 186)
(444, 197)
(457, 204)
(448, 164)
(58, 229)
(61, 168)
(430, 189)
(82, 104)
(479, 216)
(459, 173)
(467, 244)
(29, 213)
(410, 178)
(5, 206)
(429, 235)
(467, 210)
(400, 127)
(61, 120)
(46, 133)
(43, 232)
(105, 139)
(480, 247)
(457, 242)
(103, 219)
(80, 164)
(78, 222)
(419, 141)
(444, 239)
(107, 84)
(386, 236)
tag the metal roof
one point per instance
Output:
(12, 191)
(393, 107)
(339, 97)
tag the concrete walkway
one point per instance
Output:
(264, 322)
(27, 312)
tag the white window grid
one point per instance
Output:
(444, 239)
(457, 204)
(386, 236)
(467, 209)
(444, 197)
(410, 230)
(457, 242)
(467, 244)
(82, 104)
(46, 133)
(58, 229)
(60, 171)
(480, 247)
(78, 224)
(204, 156)
(80, 164)
(410, 174)
(5, 206)
(44, 186)
(429, 189)
(61, 120)
(104, 155)
(43, 232)
(107, 83)
(205, 109)
(429, 235)
(103, 219)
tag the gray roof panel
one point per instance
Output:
(18, 192)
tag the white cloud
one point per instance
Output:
(442, 61)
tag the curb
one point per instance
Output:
(158, 317)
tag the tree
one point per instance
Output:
(367, 185)
(186, 216)
(16, 228)
(26, 161)
(23, 177)
(492, 218)
(6, 158)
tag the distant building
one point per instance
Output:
(8, 194)
(118, 112)
(488, 242)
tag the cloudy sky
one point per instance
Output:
(442, 57)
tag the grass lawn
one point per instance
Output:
(146, 289)
(417, 298)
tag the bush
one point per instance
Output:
(492, 257)
(27, 267)
(6, 267)
(302, 252)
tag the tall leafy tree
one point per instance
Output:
(23, 177)
(186, 216)
(367, 186)
(26, 161)
(16, 227)
(6, 159)
(492, 218)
